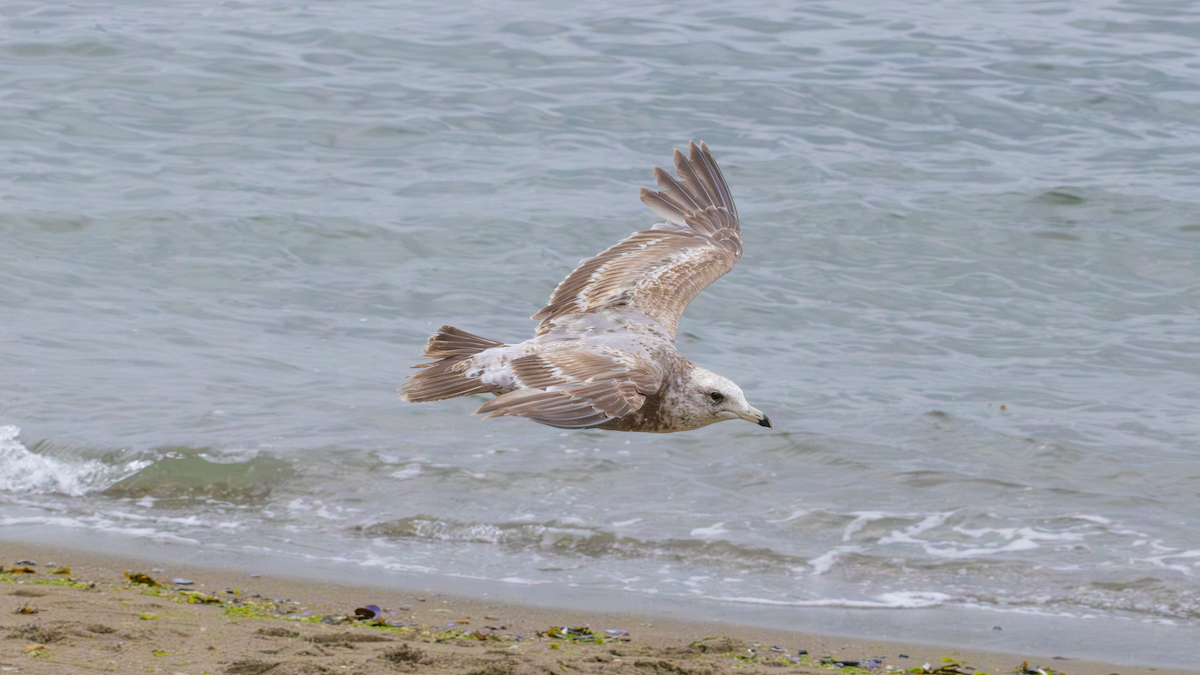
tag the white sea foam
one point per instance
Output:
(1179, 565)
(904, 600)
(791, 516)
(823, 563)
(710, 532)
(991, 540)
(23, 471)
(525, 582)
(862, 520)
(101, 523)
(413, 469)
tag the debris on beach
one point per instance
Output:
(864, 664)
(948, 667)
(198, 598)
(180, 581)
(585, 634)
(61, 570)
(142, 578)
(580, 634)
(567, 633)
(368, 612)
(26, 609)
(482, 634)
(373, 616)
(840, 663)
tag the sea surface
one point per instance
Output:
(970, 301)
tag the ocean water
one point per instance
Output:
(969, 302)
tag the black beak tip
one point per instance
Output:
(765, 422)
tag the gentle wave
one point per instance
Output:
(26, 472)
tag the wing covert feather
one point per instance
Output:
(575, 389)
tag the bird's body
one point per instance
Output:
(604, 354)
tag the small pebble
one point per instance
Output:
(997, 628)
(616, 631)
(181, 581)
(25, 562)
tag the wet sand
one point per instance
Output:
(99, 617)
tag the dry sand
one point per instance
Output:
(95, 618)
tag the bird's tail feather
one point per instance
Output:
(445, 377)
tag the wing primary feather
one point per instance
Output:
(696, 188)
(673, 191)
(672, 212)
(701, 155)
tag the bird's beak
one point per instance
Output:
(757, 416)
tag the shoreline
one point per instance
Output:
(253, 630)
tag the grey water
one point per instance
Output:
(970, 300)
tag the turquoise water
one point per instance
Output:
(969, 298)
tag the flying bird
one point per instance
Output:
(604, 356)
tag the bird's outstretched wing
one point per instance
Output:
(659, 271)
(575, 389)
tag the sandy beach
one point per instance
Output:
(70, 612)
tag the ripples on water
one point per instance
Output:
(227, 229)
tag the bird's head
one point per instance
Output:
(714, 399)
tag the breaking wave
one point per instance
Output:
(23, 471)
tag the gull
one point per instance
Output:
(603, 355)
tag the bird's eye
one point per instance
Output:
(716, 396)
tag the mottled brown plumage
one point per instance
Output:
(603, 355)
